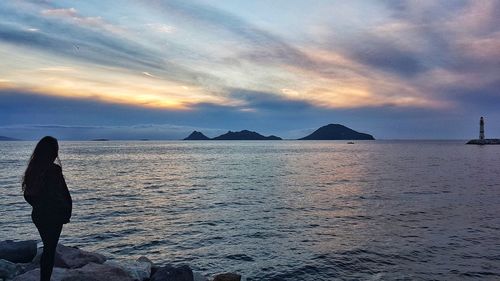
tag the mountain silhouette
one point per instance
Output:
(337, 132)
(245, 135)
(195, 135)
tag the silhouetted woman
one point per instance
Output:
(46, 191)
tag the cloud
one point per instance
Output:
(161, 27)
(262, 45)
(87, 119)
(263, 101)
(72, 15)
(382, 54)
(131, 132)
(223, 65)
(77, 42)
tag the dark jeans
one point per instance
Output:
(49, 232)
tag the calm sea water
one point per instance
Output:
(284, 210)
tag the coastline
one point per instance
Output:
(20, 261)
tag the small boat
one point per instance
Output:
(350, 142)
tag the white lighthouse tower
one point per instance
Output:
(481, 128)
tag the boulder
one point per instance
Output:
(90, 272)
(227, 277)
(154, 267)
(18, 251)
(8, 269)
(38, 256)
(72, 257)
(34, 275)
(171, 273)
(199, 277)
(144, 259)
(97, 272)
(138, 270)
(35, 263)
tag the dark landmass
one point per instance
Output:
(144, 139)
(100, 140)
(484, 142)
(195, 135)
(245, 135)
(2, 138)
(337, 132)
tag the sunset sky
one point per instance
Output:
(159, 69)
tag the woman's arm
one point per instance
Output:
(59, 194)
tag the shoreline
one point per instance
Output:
(20, 261)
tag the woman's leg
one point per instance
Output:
(50, 236)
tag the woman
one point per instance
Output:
(46, 191)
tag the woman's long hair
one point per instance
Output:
(45, 153)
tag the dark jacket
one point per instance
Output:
(53, 204)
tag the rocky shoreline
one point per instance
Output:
(20, 261)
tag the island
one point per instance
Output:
(100, 140)
(3, 138)
(337, 132)
(245, 135)
(195, 135)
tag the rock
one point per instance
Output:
(72, 257)
(171, 273)
(35, 263)
(21, 251)
(34, 275)
(90, 272)
(8, 269)
(227, 277)
(199, 277)
(38, 256)
(97, 272)
(138, 270)
(144, 259)
(154, 269)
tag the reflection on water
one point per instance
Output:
(290, 210)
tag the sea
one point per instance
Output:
(278, 210)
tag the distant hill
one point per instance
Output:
(195, 135)
(245, 135)
(2, 138)
(100, 140)
(337, 132)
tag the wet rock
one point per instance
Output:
(171, 273)
(34, 275)
(199, 277)
(90, 272)
(154, 267)
(17, 251)
(8, 269)
(72, 257)
(144, 259)
(38, 256)
(138, 270)
(227, 277)
(97, 272)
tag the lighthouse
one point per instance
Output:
(482, 140)
(481, 128)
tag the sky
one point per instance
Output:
(159, 69)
